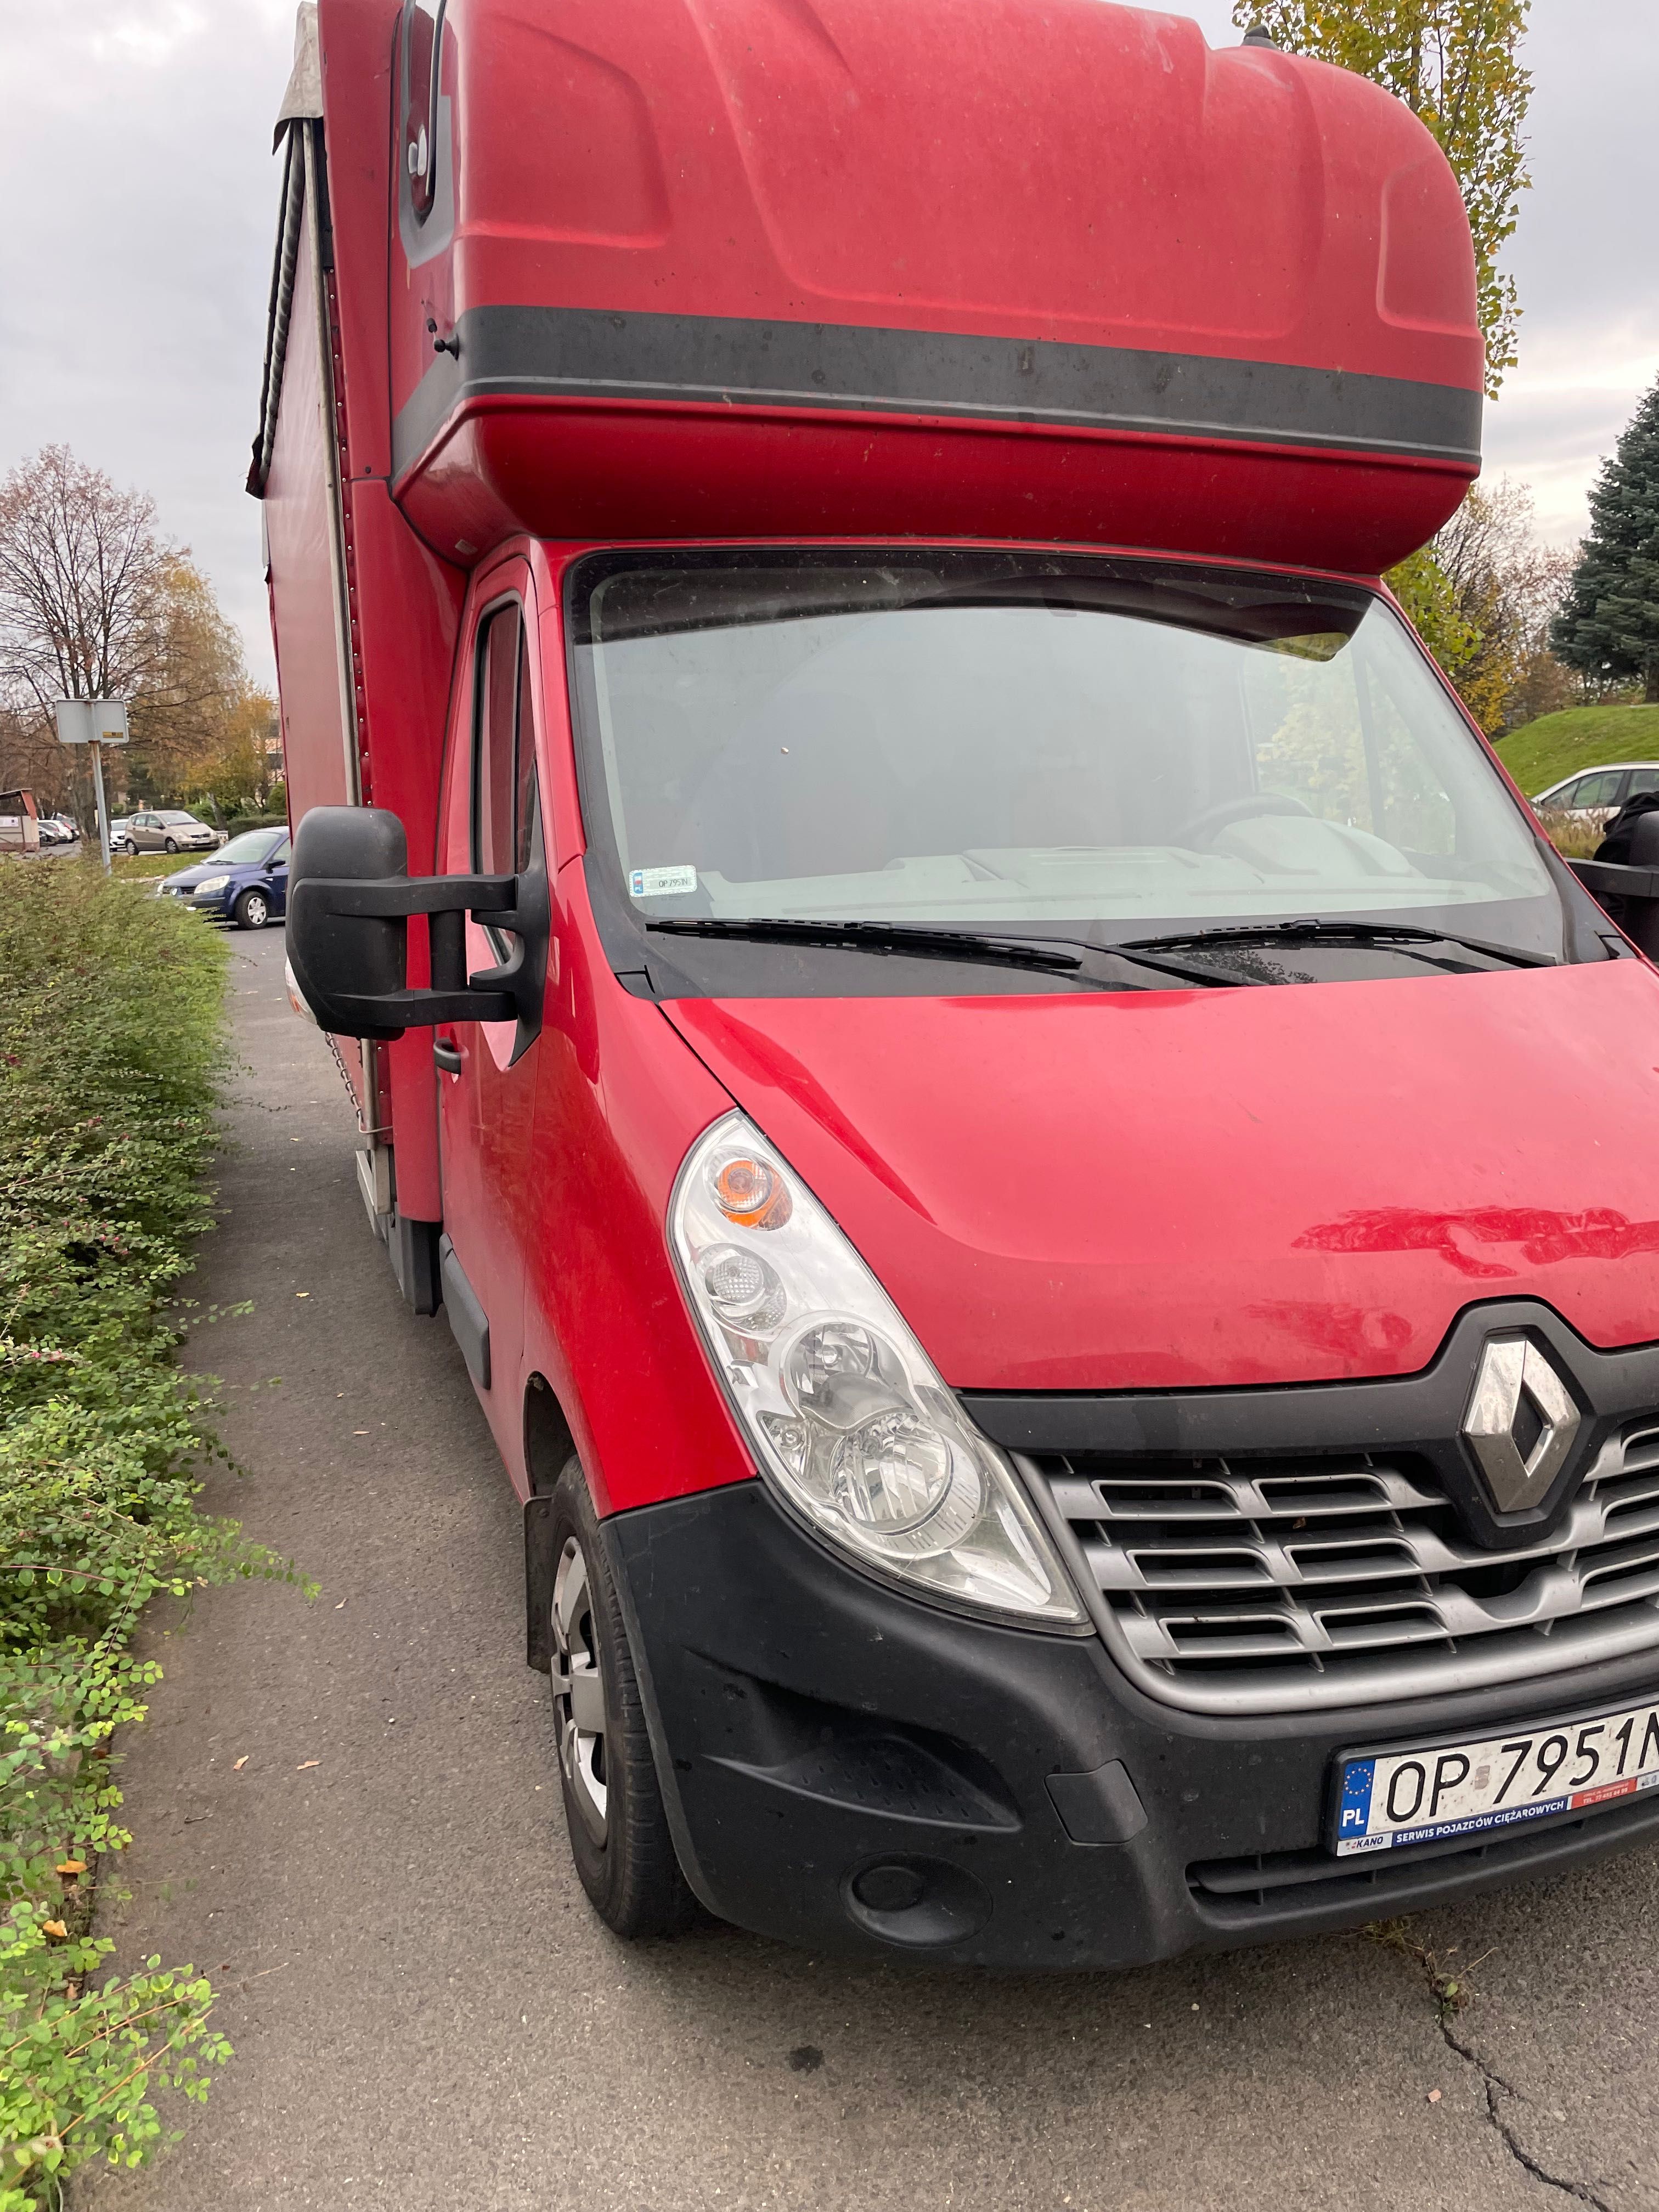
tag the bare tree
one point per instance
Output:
(83, 584)
(95, 603)
(31, 757)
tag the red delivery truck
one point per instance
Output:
(1046, 1184)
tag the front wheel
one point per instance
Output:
(252, 910)
(131, 848)
(170, 845)
(619, 1836)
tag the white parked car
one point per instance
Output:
(1595, 794)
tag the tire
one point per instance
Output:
(251, 911)
(613, 1807)
(131, 848)
(170, 845)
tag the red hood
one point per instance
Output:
(1123, 1190)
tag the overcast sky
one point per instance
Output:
(136, 169)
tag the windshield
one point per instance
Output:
(252, 847)
(177, 820)
(1032, 743)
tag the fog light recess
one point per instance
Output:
(920, 1904)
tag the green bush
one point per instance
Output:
(110, 1051)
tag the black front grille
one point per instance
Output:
(1256, 1585)
(1246, 1892)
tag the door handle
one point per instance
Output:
(446, 1055)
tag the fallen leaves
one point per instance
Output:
(54, 1928)
(237, 1765)
(71, 1868)
(307, 1763)
(1434, 2096)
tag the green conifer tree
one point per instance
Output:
(1609, 625)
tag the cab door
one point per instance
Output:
(486, 1072)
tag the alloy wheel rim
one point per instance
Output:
(579, 1691)
(256, 910)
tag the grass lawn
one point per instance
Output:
(1579, 737)
(154, 864)
(85, 855)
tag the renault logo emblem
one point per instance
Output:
(1521, 1422)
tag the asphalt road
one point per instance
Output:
(426, 2014)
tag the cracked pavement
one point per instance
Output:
(426, 2014)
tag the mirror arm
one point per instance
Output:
(507, 903)
(418, 1010)
(1610, 878)
(491, 899)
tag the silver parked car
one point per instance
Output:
(166, 830)
(1595, 794)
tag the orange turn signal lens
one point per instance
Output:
(748, 1192)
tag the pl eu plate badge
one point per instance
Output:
(1450, 1789)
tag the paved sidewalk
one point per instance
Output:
(427, 2015)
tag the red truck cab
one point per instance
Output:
(1042, 1176)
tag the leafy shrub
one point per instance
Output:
(110, 1048)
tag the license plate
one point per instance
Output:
(1385, 1799)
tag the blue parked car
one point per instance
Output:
(245, 881)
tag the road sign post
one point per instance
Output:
(93, 723)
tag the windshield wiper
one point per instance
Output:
(872, 937)
(1314, 931)
(1050, 954)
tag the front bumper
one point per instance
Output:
(852, 1770)
(218, 904)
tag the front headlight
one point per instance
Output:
(211, 888)
(852, 1426)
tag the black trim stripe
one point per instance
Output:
(586, 353)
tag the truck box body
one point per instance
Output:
(824, 562)
(947, 269)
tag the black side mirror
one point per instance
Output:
(350, 899)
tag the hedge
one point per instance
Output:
(110, 1048)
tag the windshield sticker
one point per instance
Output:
(661, 883)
